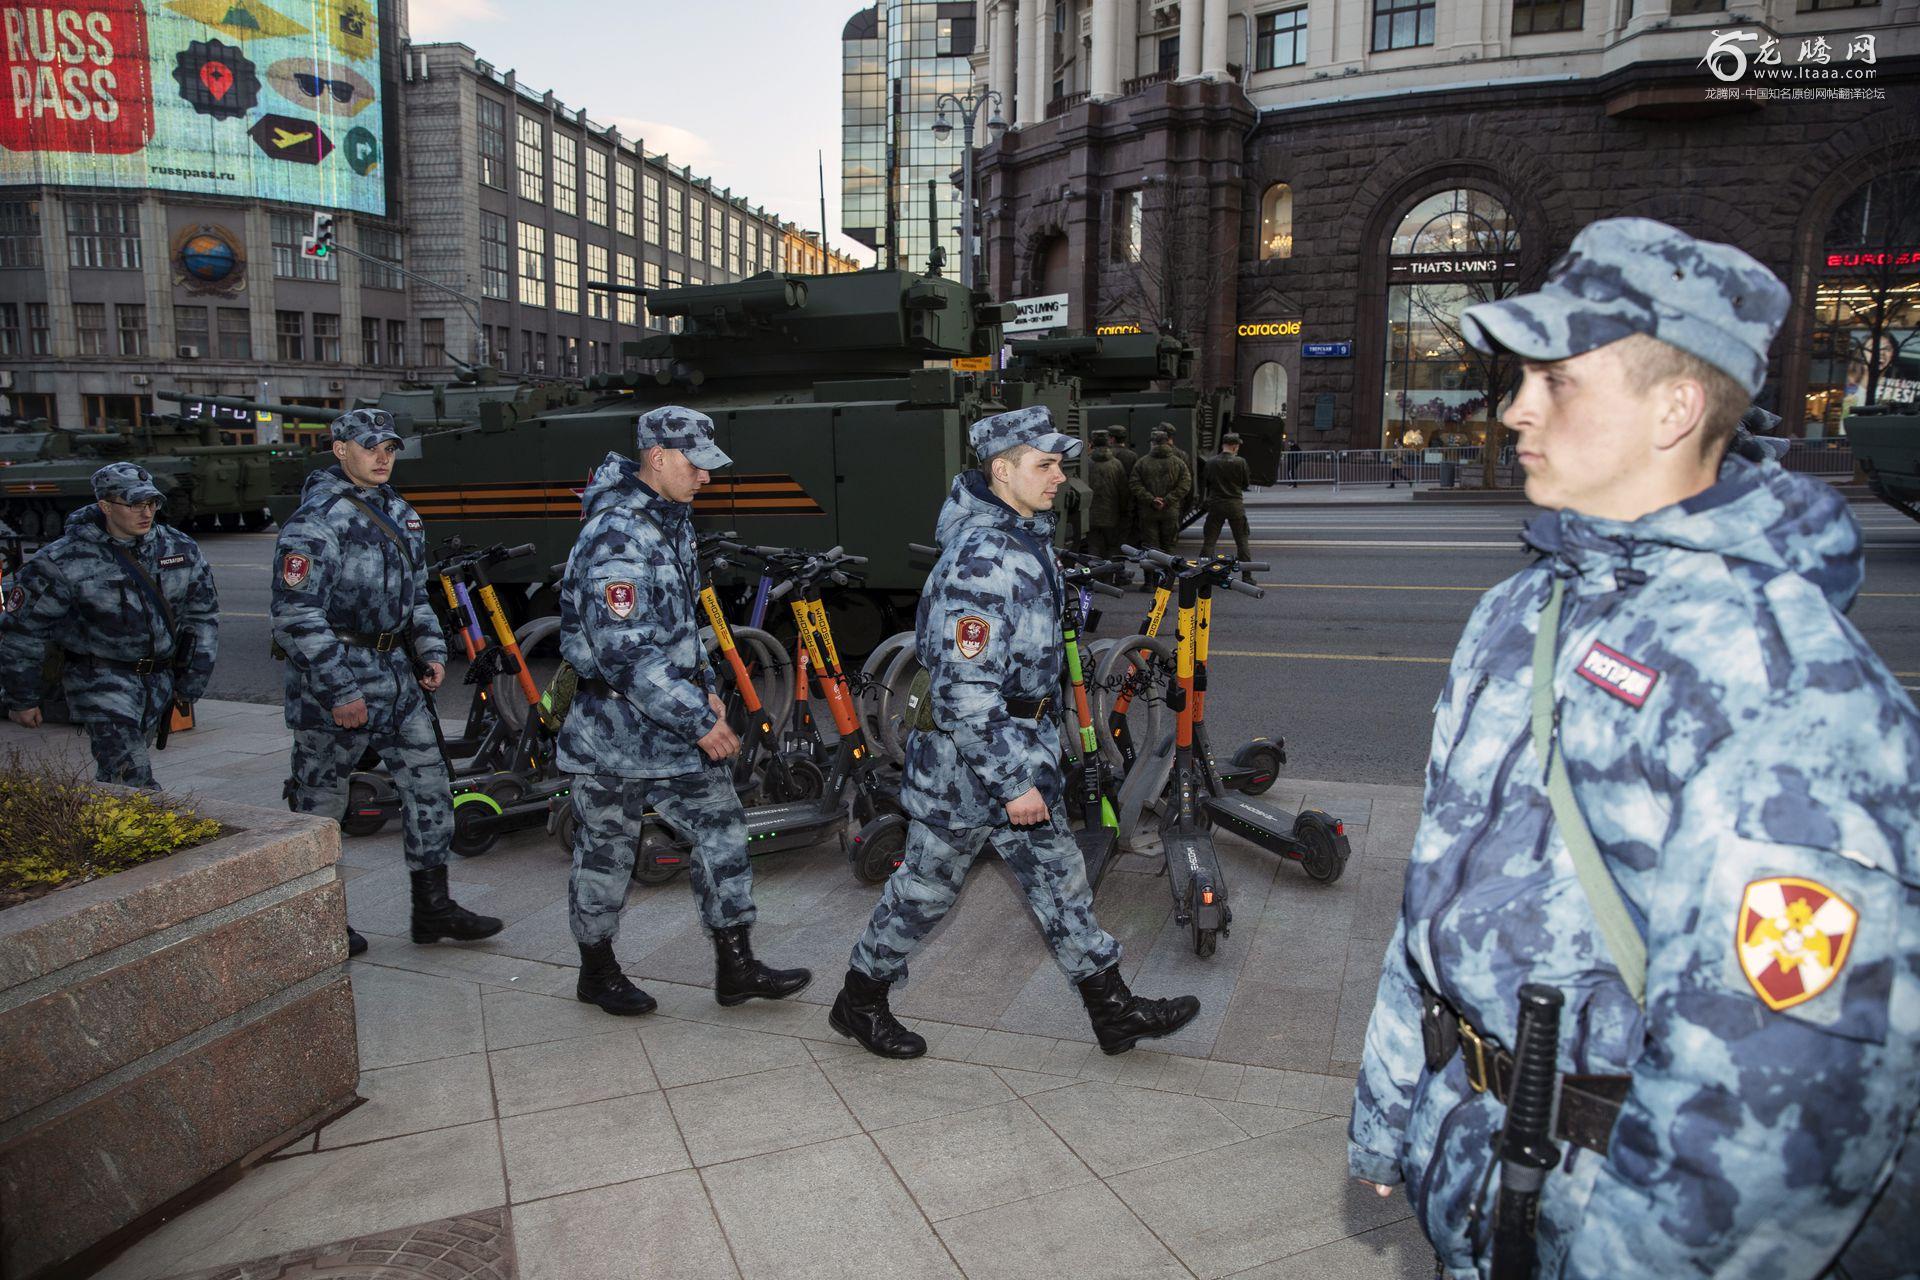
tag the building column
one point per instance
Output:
(1030, 104)
(1213, 41)
(157, 270)
(1000, 54)
(1104, 80)
(1190, 39)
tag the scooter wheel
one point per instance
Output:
(879, 848)
(650, 867)
(471, 836)
(1204, 942)
(795, 778)
(364, 815)
(1326, 853)
(565, 826)
(1265, 761)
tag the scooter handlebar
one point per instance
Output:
(1104, 588)
(1244, 588)
(1260, 565)
(512, 553)
(922, 549)
(1152, 555)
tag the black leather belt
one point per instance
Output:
(594, 684)
(1588, 1105)
(378, 641)
(1028, 708)
(139, 666)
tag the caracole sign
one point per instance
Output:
(1270, 329)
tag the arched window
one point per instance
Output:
(1866, 318)
(1269, 399)
(1449, 251)
(1276, 222)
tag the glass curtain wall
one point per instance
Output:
(863, 128)
(921, 36)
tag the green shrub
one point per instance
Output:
(57, 827)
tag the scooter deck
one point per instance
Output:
(1271, 829)
(1198, 886)
(777, 827)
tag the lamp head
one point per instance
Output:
(941, 129)
(995, 125)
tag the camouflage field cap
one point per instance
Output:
(688, 430)
(1633, 275)
(997, 433)
(125, 482)
(368, 427)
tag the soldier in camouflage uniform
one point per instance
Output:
(132, 607)
(646, 729)
(1107, 513)
(988, 771)
(363, 649)
(1749, 771)
(1227, 477)
(1161, 483)
(1127, 458)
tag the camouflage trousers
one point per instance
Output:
(324, 761)
(702, 808)
(1235, 516)
(120, 754)
(1044, 859)
(1160, 528)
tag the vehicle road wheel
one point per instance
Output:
(471, 837)
(1326, 853)
(364, 814)
(879, 847)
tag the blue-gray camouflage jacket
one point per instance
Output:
(1751, 773)
(335, 569)
(629, 614)
(988, 629)
(75, 594)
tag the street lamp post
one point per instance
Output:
(969, 108)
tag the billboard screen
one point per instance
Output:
(267, 99)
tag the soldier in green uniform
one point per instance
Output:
(1107, 514)
(1161, 482)
(1227, 477)
(1123, 454)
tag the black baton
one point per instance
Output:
(1527, 1150)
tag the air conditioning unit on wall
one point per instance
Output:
(187, 351)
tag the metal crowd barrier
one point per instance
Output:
(1460, 466)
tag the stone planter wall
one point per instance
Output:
(163, 1024)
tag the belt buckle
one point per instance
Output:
(384, 642)
(143, 667)
(1041, 710)
(1474, 1057)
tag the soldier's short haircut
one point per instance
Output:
(1648, 361)
(1012, 456)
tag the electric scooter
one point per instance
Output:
(1313, 838)
(1090, 787)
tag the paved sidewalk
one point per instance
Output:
(510, 1131)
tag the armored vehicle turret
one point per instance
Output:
(1886, 448)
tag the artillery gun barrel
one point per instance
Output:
(297, 412)
(756, 297)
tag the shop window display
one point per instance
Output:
(1866, 305)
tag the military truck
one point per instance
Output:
(1130, 383)
(46, 473)
(832, 394)
(1886, 448)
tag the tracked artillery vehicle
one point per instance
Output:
(1886, 448)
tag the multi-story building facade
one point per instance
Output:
(499, 193)
(1312, 191)
(897, 58)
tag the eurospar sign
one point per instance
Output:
(262, 99)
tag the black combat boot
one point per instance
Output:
(436, 916)
(738, 977)
(355, 943)
(861, 1012)
(1122, 1019)
(602, 983)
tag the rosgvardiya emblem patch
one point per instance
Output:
(1793, 938)
(293, 569)
(970, 635)
(620, 599)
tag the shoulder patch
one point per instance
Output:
(970, 635)
(413, 524)
(1618, 674)
(620, 599)
(16, 599)
(1792, 938)
(173, 561)
(294, 568)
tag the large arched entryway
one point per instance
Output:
(1866, 304)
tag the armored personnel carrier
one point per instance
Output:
(46, 473)
(1886, 448)
(832, 394)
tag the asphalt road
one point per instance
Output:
(1344, 657)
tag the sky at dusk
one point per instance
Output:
(745, 91)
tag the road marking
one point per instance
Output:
(1323, 657)
(234, 613)
(1359, 586)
